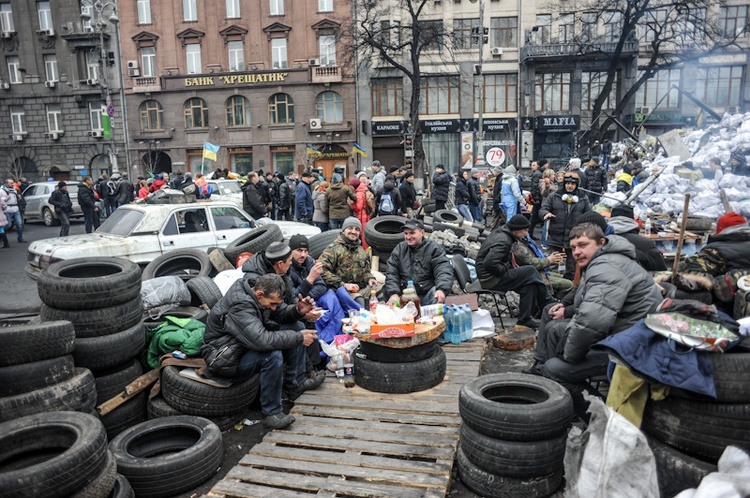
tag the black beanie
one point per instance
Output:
(593, 217)
(623, 210)
(518, 222)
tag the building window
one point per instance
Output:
(544, 29)
(464, 35)
(655, 21)
(241, 161)
(190, 10)
(719, 86)
(151, 115)
(612, 26)
(92, 70)
(500, 93)
(280, 109)
(277, 7)
(282, 159)
(45, 15)
(195, 161)
(552, 92)
(148, 62)
(50, 67)
(54, 118)
(325, 5)
(193, 53)
(18, 119)
(588, 27)
(387, 97)
(196, 113)
(431, 34)
(692, 23)
(566, 28)
(238, 111)
(236, 56)
(87, 8)
(6, 18)
(732, 20)
(329, 107)
(439, 95)
(592, 84)
(95, 116)
(387, 33)
(144, 11)
(278, 52)
(656, 87)
(233, 9)
(14, 75)
(327, 50)
(504, 31)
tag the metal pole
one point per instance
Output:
(480, 87)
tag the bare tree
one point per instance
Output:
(678, 33)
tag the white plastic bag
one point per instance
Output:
(164, 290)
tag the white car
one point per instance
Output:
(227, 190)
(141, 232)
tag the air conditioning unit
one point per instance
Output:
(50, 84)
(313, 62)
(133, 65)
(316, 124)
(18, 138)
(497, 50)
(643, 110)
(7, 34)
(134, 72)
(97, 134)
(5, 86)
(48, 32)
(88, 28)
(733, 109)
(54, 135)
(92, 82)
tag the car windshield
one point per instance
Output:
(229, 188)
(121, 222)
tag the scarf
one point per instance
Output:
(538, 252)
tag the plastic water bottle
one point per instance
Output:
(373, 301)
(468, 325)
(456, 332)
(448, 334)
(338, 358)
(647, 226)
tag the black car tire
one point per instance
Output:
(195, 398)
(494, 486)
(25, 377)
(400, 377)
(731, 379)
(439, 227)
(385, 232)
(128, 414)
(101, 353)
(103, 483)
(183, 263)
(164, 457)
(676, 471)
(254, 241)
(158, 408)
(122, 488)
(498, 406)
(87, 283)
(36, 342)
(111, 382)
(319, 242)
(76, 394)
(447, 216)
(383, 354)
(97, 322)
(203, 290)
(74, 447)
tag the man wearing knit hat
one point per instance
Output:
(346, 264)
(728, 250)
(60, 199)
(475, 195)
(495, 270)
(623, 224)
(408, 195)
(305, 273)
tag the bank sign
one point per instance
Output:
(557, 124)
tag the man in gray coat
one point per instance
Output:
(613, 294)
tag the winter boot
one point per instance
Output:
(4, 238)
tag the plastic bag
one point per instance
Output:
(341, 343)
(164, 290)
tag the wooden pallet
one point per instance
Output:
(354, 442)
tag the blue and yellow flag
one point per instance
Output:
(311, 151)
(359, 150)
(210, 150)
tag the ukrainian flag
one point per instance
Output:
(210, 150)
(359, 150)
(311, 151)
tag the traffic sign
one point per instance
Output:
(495, 156)
(110, 110)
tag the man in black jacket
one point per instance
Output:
(252, 197)
(87, 201)
(305, 272)
(422, 261)
(475, 195)
(536, 196)
(596, 180)
(60, 199)
(441, 182)
(624, 225)
(495, 270)
(240, 342)
(408, 195)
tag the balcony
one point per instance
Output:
(574, 49)
(146, 84)
(326, 74)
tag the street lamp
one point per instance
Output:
(98, 25)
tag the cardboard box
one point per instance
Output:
(393, 330)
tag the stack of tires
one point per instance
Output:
(695, 431)
(184, 263)
(101, 298)
(254, 241)
(225, 406)
(399, 371)
(513, 435)
(320, 242)
(383, 234)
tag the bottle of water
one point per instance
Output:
(457, 324)
(468, 325)
(338, 358)
(448, 334)
(647, 226)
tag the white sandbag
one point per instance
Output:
(732, 480)
(164, 290)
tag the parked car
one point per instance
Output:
(38, 207)
(227, 190)
(142, 232)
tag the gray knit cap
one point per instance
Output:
(351, 221)
(277, 251)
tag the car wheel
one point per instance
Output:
(184, 263)
(676, 471)
(48, 218)
(50, 454)
(384, 354)
(255, 240)
(385, 232)
(104, 483)
(128, 414)
(36, 342)
(107, 351)
(97, 322)
(154, 455)
(203, 290)
(731, 379)
(318, 243)
(447, 216)
(400, 378)
(159, 408)
(110, 383)
(195, 398)
(25, 377)
(122, 488)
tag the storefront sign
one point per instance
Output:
(387, 127)
(557, 124)
(660, 118)
(236, 79)
(495, 156)
(494, 125)
(467, 149)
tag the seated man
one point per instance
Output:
(613, 294)
(526, 253)
(238, 342)
(495, 270)
(422, 261)
(346, 264)
(646, 252)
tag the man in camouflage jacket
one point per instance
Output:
(524, 254)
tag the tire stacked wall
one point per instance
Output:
(513, 435)
(101, 298)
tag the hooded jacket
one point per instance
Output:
(378, 181)
(61, 200)
(259, 265)
(338, 195)
(648, 256)
(566, 216)
(441, 183)
(86, 197)
(493, 259)
(345, 262)
(475, 193)
(320, 207)
(596, 178)
(613, 294)
(624, 182)
(426, 265)
(298, 275)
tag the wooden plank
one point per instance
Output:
(377, 403)
(371, 435)
(368, 461)
(315, 483)
(377, 426)
(439, 419)
(233, 488)
(405, 450)
(343, 468)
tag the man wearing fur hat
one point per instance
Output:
(346, 264)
